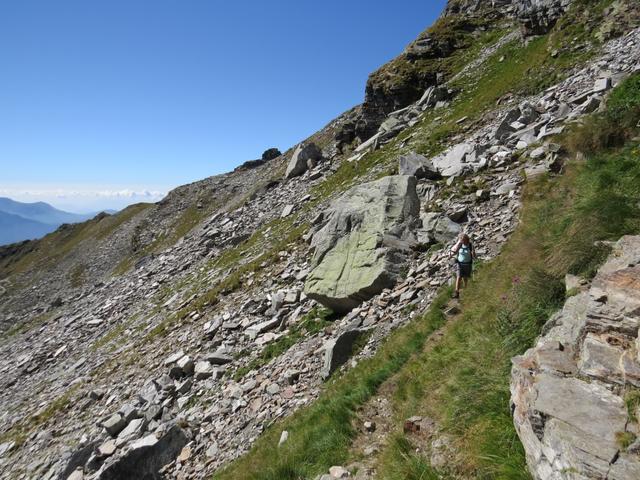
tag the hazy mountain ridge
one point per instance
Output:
(28, 221)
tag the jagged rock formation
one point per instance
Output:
(361, 247)
(569, 391)
(538, 16)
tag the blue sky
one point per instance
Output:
(101, 101)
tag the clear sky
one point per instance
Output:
(103, 103)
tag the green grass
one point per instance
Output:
(20, 431)
(30, 324)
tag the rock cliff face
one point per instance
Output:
(423, 63)
(569, 391)
(361, 249)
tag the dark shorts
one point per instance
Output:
(465, 269)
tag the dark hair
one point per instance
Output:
(465, 239)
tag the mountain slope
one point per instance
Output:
(178, 336)
(14, 228)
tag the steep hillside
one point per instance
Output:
(14, 228)
(168, 340)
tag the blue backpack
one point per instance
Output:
(464, 254)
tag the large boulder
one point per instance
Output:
(438, 228)
(302, 156)
(568, 391)
(362, 247)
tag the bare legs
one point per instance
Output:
(460, 280)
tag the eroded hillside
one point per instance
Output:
(162, 342)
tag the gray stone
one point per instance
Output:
(302, 154)
(77, 475)
(107, 449)
(417, 165)
(338, 350)
(114, 424)
(362, 247)
(437, 227)
(218, 358)
(286, 211)
(455, 160)
(505, 188)
(147, 456)
(203, 370)
(538, 153)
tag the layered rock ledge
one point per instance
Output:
(572, 393)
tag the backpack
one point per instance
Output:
(464, 254)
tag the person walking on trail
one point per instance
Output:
(464, 254)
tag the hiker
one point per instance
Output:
(464, 254)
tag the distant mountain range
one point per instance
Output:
(26, 221)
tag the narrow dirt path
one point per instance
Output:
(377, 421)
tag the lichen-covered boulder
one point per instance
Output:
(568, 392)
(362, 247)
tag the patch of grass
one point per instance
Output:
(625, 439)
(30, 324)
(402, 458)
(611, 128)
(20, 431)
(77, 275)
(632, 401)
(320, 434)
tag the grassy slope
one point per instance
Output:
(501, 319)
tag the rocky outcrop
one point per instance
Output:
(569, 391)
(537, 17)
(417, 166)
(361, 248)
(270, 154)
(146, 457)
